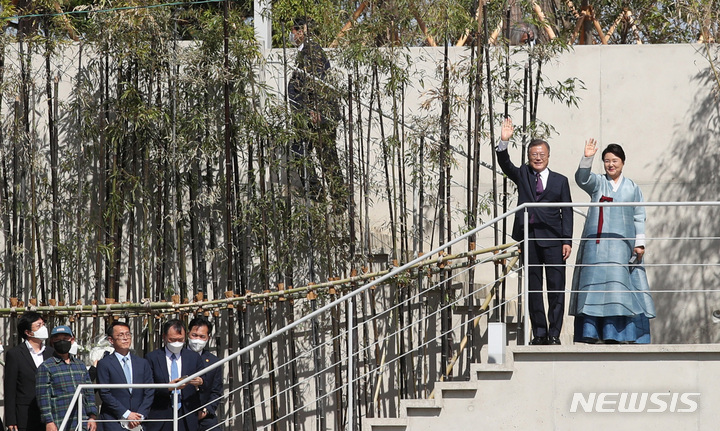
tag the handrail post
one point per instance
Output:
(350, 374)
(80, 410)
(175, 409)
(526, 284)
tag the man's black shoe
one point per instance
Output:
(553, 341)
(539, 341)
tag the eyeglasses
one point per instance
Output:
(124, 335)
(297, 28)
(538, 155)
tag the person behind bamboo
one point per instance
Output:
(126, 408)
(610, 296)
(57, 379)
(315, 115)
(21, 363)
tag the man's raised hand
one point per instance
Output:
(507, 130)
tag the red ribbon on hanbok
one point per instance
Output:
(600, 217)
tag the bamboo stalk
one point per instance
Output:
(56, 287)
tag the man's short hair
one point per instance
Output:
(175, 324)
(25, 322)
(111, 327)
(200, 321)
(536, 142)
(299, 22)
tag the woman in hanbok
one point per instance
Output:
(610, 296)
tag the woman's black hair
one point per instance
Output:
(615, 149)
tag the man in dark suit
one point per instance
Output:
(315, 117)
(550, 232)
(122, 404)
(170, 364)
(21, 362)
(211, 391)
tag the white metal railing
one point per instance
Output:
(381, 355)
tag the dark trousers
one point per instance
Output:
(209, 422)
(321, 138)
(551, 257)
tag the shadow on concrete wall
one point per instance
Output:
(689, 171)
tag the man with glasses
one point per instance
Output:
(126, 407)
(549, 233)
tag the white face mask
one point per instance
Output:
(41, 334)
(291, 37)
(175, 347)
(74, 348)
(196, 345)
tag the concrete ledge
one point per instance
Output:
(384, 424)
(455, 390)
(420, 408)
(616, 352)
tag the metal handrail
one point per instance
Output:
(362, 289)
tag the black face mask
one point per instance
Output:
(62, 346)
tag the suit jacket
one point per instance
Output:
(549, 222)
(211, 390)
(116, 401)
(21, 406)
(307, 90)
(162, 407)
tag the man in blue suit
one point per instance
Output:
(549, 233)
(122, 404)
(211, 392)
(170, 364)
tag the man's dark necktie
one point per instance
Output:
(538, 191)
(538, 185)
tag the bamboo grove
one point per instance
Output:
(159, 172)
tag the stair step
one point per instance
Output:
(456, 390)
(419, 408)
(385, 424)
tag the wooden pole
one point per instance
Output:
(348, 25)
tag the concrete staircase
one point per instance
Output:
(577, 387)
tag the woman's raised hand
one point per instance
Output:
(590, 147)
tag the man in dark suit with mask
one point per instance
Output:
(549, 233)
(170, 364)
(21, 363)
(211, 390)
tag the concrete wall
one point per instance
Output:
(660, 102)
